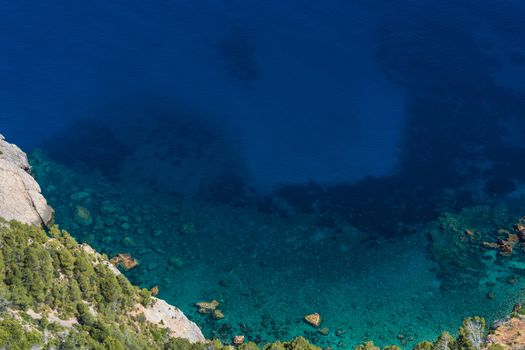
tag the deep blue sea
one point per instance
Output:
(283, 157)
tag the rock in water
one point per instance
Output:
(313, 319)
(206, 307)
(217, 314)
(20, 195)
(238, 339)
(126, 261)
(82, 216)
(324, 331)
(154, 291)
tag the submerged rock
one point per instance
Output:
(206, 307)
(210, 307)
(238, 339)
(176, 263)
(20, 195)
(340, 332)
(324, 331)
(82, 216)
(217, 314)
(504, 246)
(79, 196)
(125, 261)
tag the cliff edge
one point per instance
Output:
(20, 195)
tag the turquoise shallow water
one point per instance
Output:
(268, 270)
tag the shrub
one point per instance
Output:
(472, 333)
(13, 336)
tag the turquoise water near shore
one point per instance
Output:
(268, 270)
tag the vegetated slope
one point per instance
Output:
(58, 294)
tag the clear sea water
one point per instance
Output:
(341, 157)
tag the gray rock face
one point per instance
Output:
(167, 316)
(20, 195)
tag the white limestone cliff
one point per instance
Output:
(20, 195)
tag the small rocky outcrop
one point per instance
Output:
(167, 316)
(313, 320)
(509, 334)
(126, 261)
(206, 307)
(20, 195)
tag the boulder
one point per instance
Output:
(238, 339)
(20, 195)
(167, 316)
(82, 216)
(313, 320)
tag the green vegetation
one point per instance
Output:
(14, 336)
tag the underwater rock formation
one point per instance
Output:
(126, 261)
(504, 246)
(20, 194)
(82, 216)
(457, 242)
